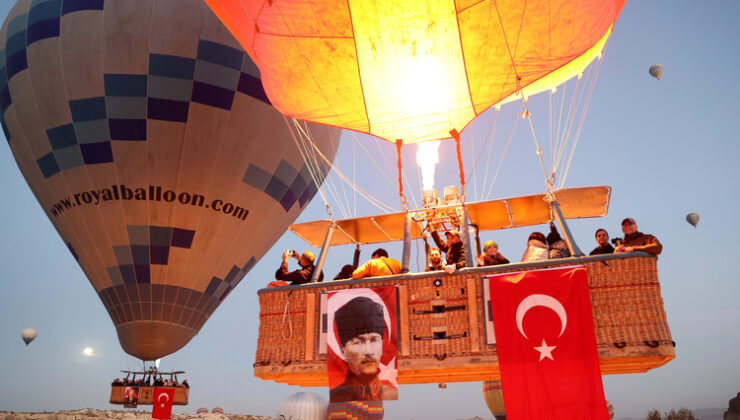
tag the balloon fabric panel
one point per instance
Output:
(155, 153)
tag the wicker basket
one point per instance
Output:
(442, 328)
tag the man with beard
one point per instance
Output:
(436, 263)
(361, 328)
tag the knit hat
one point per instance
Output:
(489, 244)
(360, 315)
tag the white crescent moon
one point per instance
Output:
(166, 397)
(540, 300)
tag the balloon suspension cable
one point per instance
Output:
(455, 135)
(548, 181)
(404, 203)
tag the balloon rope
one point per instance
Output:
(455, 135)
(501, 161)
(548, 182)
(377, 203)
(404, 203)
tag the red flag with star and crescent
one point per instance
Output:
(163, 397)
(547, 346)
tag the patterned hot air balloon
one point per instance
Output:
(28, 334)
(304, 406)
(494, 399)
(656, 70)
(413, 70)
(143, 130)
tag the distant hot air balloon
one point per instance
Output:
(656, 70)
(610, 410)
(28, 334)
(693, 219)
(404, 70)
(143, 130)
(494, 399)
(304, 406)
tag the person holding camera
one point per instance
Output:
(300, 276)
(602, 238)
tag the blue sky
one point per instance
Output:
(666, 147)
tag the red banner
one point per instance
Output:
(162, 404)
(361, 344)
(546, 345)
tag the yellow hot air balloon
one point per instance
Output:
(656, 70)
(144, 132)
(414, 70)
(494, 398)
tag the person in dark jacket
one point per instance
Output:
(345, 272)
(300, 276)
(557, 246)
(436, 263)
(490, 255)
(602, 238)
(454, 249)
(637, 241)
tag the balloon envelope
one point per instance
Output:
(303, 406)
(656, 70)
(693, 219)
(494, 397)
(29, 334)
(610, 409)
(143, 130)
(404, 70)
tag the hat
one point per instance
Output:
(629, 220)
(360, 315)
(489, 244)
(452, 232)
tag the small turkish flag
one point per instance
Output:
(163, 397)
(546, 345)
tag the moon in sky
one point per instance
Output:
(540, 300)
(88, 351)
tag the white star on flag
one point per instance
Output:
(545, 350)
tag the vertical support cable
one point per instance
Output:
(405, 260)
(568, 236)
(324, 250)
(455, 135)
(404, 203)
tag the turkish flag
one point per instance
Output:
(163, 397)
(546, 345)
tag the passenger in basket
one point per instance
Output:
(436, 263)
(558, 247)
(345, 272)
(379, 265)
(490, 255)
(300, 276)
(602, 238)
(637, 241)
(536, 248)
(453, 248)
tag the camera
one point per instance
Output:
(290, 252)
(616, 241)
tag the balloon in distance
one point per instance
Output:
(402, 70)
(304, 406)
(692, 219)
(610, 410)
(144, 132)
(28, 334)
(493, 394)
(656, 70)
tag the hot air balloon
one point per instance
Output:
(494, 399)
(692, 219)
(28, 334)
(610, 409)
(656, 70)
(403, 70)
(144, 132)
(304, 406)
